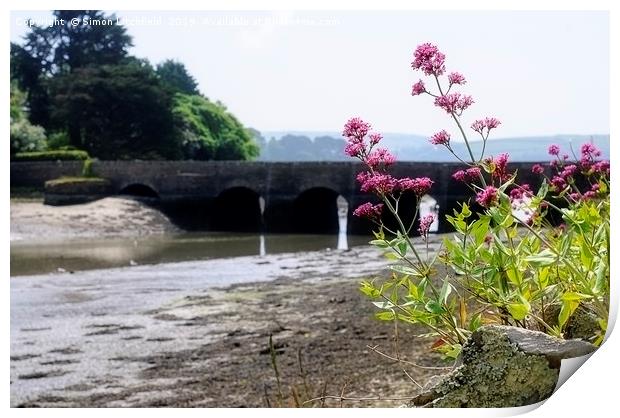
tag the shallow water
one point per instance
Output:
(43, 257)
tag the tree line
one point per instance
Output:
(77, 87)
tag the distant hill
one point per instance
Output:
(328, 146)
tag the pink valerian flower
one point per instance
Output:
(355, 149)
(419, 185)
(378, 183)
(589, 150)
(440, 138)
(601, 167)
(538, 169)
(468, 175)
(368, 210)
(487, 197)
(554, 150)
(565, 157)
(418, 88)
(487, 123)
(518, 194)
(558, 183)
(500, 170)
(375, 138)
(380, 157)
(589, 195)
(356, 129)
(429, 59)
(454, 102)
(456, 78)
(425, 225)
(569, 171)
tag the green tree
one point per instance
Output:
(118, 111)
(209, 132)
(176, 77)
(61, 49)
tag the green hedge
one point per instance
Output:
(72, 155)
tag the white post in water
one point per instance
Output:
(262, 251)
(343, 213)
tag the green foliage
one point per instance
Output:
(175, 76)
(48, 51)
(115, 111)
(58, 141)
(68, 181)
(26, 137)
(87, 168)
(72, 155)
(209, 132)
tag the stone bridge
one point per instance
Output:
(256, 196)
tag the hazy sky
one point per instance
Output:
(540, 73)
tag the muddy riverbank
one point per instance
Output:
(196, 334)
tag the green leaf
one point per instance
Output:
(380, 243)
(434, 307)
(445, 291)
(544, 258)
(567, 309)
(518, 310)
(385, 316)
(383, 305)
(575, 296)
(399, 268)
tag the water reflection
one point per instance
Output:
(42, 257)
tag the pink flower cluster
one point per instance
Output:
(468, 175)
(538, 169)
(554, 150)
(356, 129)
(454, 102)
(485, 125)
(380, 157)
(521, 192)
(456, 78)
(418, 88)
(419, 185)
(440, 138)
(378, 183)
(429, 59)
(368, 210)
(487, 197)
(500, 168)
(425, 225)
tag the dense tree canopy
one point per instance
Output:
(115, 111)
(176, 77)
(209, 132)
(85, 90)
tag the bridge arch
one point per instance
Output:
(139, 190)
(315, 210)
(238, 209)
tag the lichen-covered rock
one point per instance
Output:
(503, 367)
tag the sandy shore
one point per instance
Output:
(109, 217)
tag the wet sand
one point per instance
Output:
(196, 333)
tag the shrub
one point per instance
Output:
(502, 268)
(26, 137)
(72, 155)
